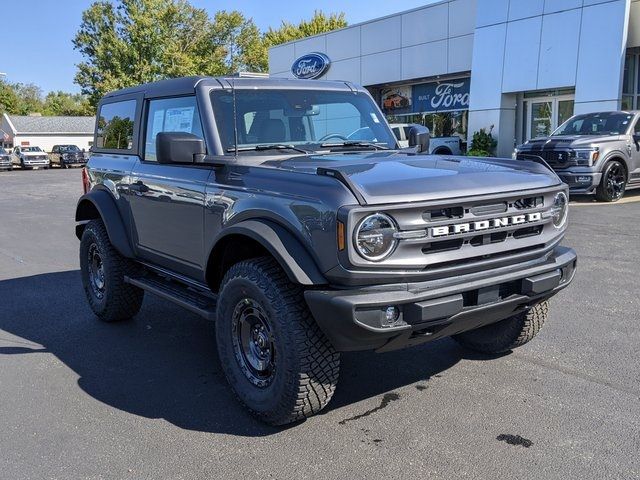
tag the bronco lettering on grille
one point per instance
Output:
(480, 225)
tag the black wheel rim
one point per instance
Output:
(96, 271)
(615, 181)
(253, 342)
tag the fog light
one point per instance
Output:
(389, 316)
(584, 179)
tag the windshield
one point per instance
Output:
(31, 149)
(69, 148)
(307, 119)
(607, 123)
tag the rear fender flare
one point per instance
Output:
(99, 204)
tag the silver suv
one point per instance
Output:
(593, 153)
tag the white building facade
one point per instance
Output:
(45, 132)
(517, 68)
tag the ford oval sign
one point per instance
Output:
(311, 65)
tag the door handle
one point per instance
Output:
(138, 187)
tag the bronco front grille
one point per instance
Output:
(460, 232)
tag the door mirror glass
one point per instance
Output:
(179, 147)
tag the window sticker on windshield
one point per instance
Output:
(374, 117)
(158, 120)
(179, 119)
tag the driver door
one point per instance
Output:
(634, 148)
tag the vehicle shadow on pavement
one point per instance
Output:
(164, 363)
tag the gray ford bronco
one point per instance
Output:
(285, 211)
(593, 153)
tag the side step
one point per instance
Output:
(201, 303)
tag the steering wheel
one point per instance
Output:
(332, 135)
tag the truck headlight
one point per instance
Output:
(560, 210)
(587, 156)
(374, 238)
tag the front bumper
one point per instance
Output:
(29, 162)
(353, 319)
(580, 182)
(73, 161)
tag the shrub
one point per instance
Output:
(482, 143)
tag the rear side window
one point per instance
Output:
(115, 125)
(178, 114)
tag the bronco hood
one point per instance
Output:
(394, 177)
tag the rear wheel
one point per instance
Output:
(507, 334)
(275, 357)
(613, 183)
(103, 272)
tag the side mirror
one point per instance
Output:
(419, 137)
(179, 147)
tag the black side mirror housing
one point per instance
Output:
(179, 147)
(419, 137)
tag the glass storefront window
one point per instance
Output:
(445, 124)
(627, 102)
(541, 119)
(629, 74)
(565, 110)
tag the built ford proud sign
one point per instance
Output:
(311, 65)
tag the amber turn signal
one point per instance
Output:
(341, 238)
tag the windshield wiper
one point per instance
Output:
(260, 148)
(353, 143)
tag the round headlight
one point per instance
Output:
(374, 238)
(560, 209)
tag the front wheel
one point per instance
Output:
(613, 183)
(275, 357)
(103, 272)
(506, 334)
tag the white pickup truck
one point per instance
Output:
(437, 145)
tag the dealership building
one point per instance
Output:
(518, 68)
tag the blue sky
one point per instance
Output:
(40, 50)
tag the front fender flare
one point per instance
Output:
(100, 204)
(292, 256)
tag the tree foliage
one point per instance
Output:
(26, 99)
(319, 23)
(128, 42)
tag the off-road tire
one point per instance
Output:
(120, 300)
(506, 334)
(603, 193)
(306, 364)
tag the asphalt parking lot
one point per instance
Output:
(147, 399)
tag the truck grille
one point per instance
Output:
(468, 231)
(555, 158)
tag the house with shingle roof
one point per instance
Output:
(45, 132)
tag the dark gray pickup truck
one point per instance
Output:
(248, 202)
(593, 153)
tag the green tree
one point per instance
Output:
(63, 103)
(128, 42)
(136, 41)
(319, 23)
(8, 98)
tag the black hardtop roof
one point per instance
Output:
(187, 85)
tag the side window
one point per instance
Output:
(178, 114)
(55, 149)
(115, 125)
(636, 129)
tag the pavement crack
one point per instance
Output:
(568, 371)
(386, 400)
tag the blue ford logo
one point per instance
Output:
(311, 65)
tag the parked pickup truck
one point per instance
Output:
(245, 201)
(593, 153)
(30, 157)
(437, 145)
(66, 156)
